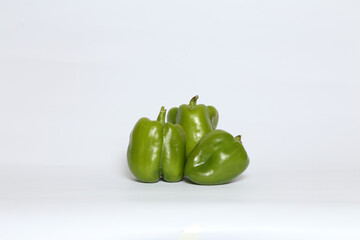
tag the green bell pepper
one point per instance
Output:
(157, 150)
(218, 158)
(197, 120)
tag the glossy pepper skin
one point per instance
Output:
(217, 159)
(157, 150)
(197, 120)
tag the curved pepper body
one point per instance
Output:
(171, 115)
(196, 120)
(214, 116)
(157, 150)
(218, 158)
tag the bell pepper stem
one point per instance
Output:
(193, 101)
(161, 116)
(238, 138)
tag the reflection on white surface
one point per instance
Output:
(95, 202)
(191, 233)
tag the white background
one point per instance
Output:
(75, 76)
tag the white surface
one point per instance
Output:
(75, 76)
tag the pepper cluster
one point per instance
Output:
(187, 145)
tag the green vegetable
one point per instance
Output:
(218, 158)
(197, 120)
(157, 150)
